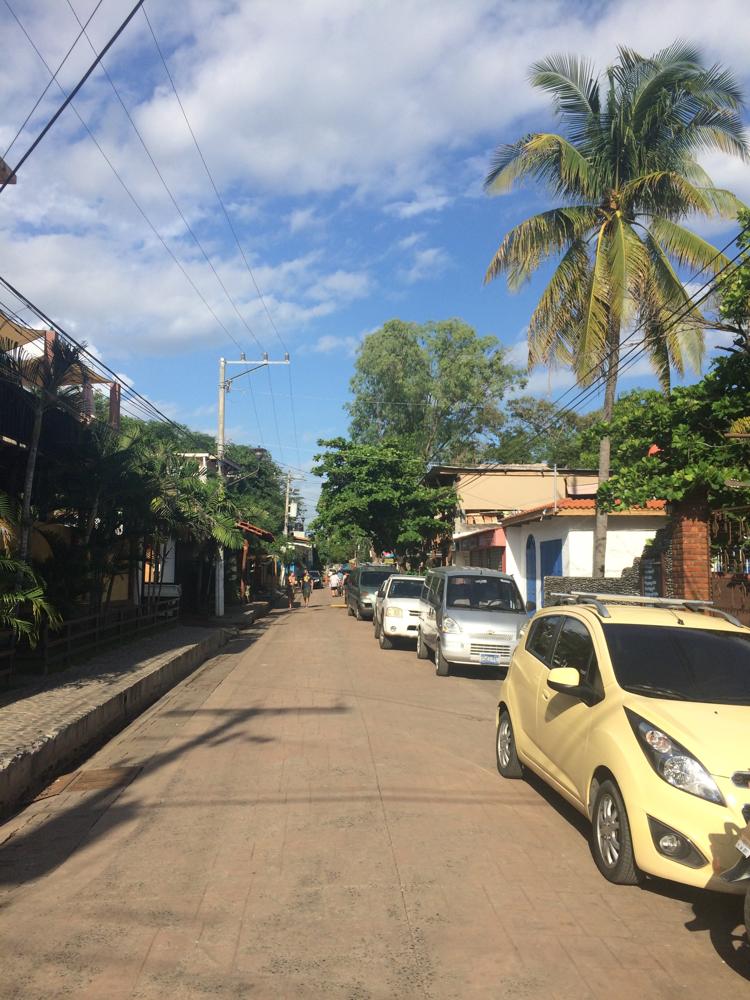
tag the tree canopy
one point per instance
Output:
(689, 427)
(535, 432)
(436, 387)
(376, 491)
(626, 176)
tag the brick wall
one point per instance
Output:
(691, 551)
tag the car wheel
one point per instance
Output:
(358, 613)
(611, 843)
(349, 609)
(423, 652)
(442, 667)
(384, 642)
(508, 763)
(376, 628)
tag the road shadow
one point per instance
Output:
(30, 854)
(478, 673)
(717, 914)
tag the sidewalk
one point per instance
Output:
(46, 725)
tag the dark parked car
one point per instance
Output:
(361, 588)
(317, 580)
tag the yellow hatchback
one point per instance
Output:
(637, 711)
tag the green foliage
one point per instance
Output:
(734, 292)
(535, 432)
(626, 174)
(690, 427)
(376, 491)
(23, 603)
(437, 388)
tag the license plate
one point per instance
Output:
(743, 847)
(491, 659)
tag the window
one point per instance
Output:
(575, 648)
(541, 638)
(405, 588)
(688, 664)
(437, 590)
(483, 593)
(373, 578)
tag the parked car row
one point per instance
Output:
(635, 710)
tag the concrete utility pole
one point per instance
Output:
(286, 502)
(224, 385)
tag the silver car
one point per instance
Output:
(469, 615)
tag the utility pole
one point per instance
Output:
(286, 502)
(224, 386)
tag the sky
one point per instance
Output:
(348, 140)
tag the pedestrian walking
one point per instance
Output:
(334, 582)
(290, 589)
(306, 588)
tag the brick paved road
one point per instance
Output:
(317, 818)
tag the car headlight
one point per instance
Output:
(450, 625)
(672, 762)
(394, 613)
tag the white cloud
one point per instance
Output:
(427, 263)
(303, 218)
(329, 344)
(426, 199)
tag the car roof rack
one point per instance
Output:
(599, 601)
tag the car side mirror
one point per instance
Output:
(530, 606)
(567, 680)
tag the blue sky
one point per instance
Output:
(348, 139)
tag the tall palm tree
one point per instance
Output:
(23, 606)
(48, 378)
(627, 176)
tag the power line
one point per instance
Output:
(95, 362)
(41, 97)
(233, 231)
(73, 92)
(130, 194)
(634, 352)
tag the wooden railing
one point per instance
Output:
(79, 638)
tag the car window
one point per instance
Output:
(483, 593)
(405, 588)
(575, 648)
(373, 578)
(541, 638)
(688, 664)
(438, 590)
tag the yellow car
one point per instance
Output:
(638, 713)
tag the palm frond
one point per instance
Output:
(686, 247)
(558, 311)
(537, 238)
(571, 81)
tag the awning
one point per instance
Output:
(253, 529)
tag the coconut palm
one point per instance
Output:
(627, 176)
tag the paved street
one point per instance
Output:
(309, 816)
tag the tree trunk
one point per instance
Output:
(610, 390)
(28, 485)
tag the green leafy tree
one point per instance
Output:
(376, 491)
(695, 457)
(436, 387)
(50, 381)
(626, 175)
(23, 604)
(536, 432)
(733, 313)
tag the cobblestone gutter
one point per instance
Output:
(45, 730)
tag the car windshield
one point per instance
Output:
(373, 578)
(483, 593)
(685, 664)
(405, 588)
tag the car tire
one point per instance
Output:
(611, 843)
(383, 641)
(442, 667)
(423, 651)
(508, 763)
(358, 613)
(375, 628)
(349, 609)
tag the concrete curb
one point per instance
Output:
(26, 772)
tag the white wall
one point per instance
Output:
(626, 537)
